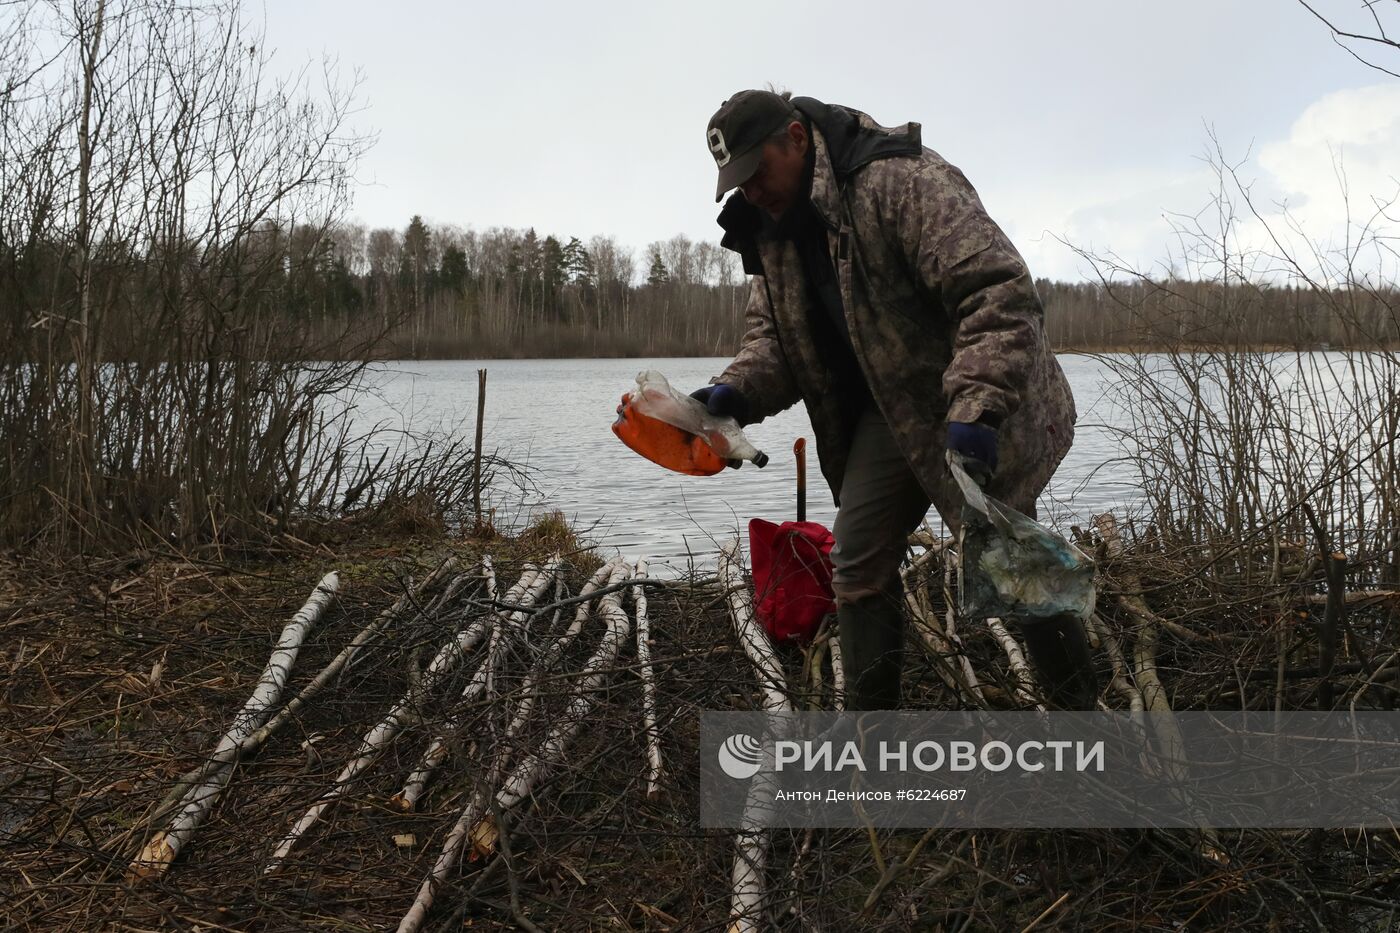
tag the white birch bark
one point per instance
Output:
(165, 847)
(1020, 670)
(436, 752)
(838, 674)
(189, 782)
(475, 820)
(751, 843)
(531, 582)
(653, 735)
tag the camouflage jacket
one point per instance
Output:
(944, 318)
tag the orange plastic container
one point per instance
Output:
(665, 444)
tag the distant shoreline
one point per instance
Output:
(1060, 351)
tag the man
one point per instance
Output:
(886, 299)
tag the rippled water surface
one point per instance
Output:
(553, 416)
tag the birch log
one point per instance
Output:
(1120, 683)
(408, 706)
(752, 637)
(188, 782)
(529, 772)
(653, 736)
(165, 847)
(751, 842)
(475, 820)
(951, 632)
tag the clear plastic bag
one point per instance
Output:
(1012, 566)
(655, 398)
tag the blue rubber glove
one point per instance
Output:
(975, 441)
(724, 401)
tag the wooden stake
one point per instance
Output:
(476, 464)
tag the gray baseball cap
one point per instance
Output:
(737, 131)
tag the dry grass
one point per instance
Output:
(118, 675)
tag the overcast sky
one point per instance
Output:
(1082, 119)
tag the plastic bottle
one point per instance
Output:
(665, 444)
(677, 432)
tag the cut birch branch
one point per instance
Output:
(1154, 693)
(1020, 670)
(1144, 667)
(752, 638)
(225, 757)
(747, 887)
(165, 847)
(529, 694)
(488, 569)
(530, 772)
(838, 674)
(951, 632)
(1121, 683)
(653, 736)
(949, 659)
(403, 712)
(476, 820)
(436, 752)
(815, 658)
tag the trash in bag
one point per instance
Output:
(1012, 566)
(678, 432)
(791, 578)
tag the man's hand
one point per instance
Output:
(723, 401)
(975, 441)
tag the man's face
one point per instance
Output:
(777, 182)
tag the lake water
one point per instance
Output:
(554, 417)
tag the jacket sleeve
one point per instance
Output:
(760, 369)
(964, 259)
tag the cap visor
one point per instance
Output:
(737, 171)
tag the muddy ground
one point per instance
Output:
(118, 675)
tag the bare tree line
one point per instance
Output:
(511, 292)
(504, 292)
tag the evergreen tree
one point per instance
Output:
(452, 272)
(657, 274)
(578, 262)
(415, 257)
(553, 276)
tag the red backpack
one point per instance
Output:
(791, 578)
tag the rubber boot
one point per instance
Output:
(1059, 653)
(872, 651)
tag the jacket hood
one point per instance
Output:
(852, 141)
